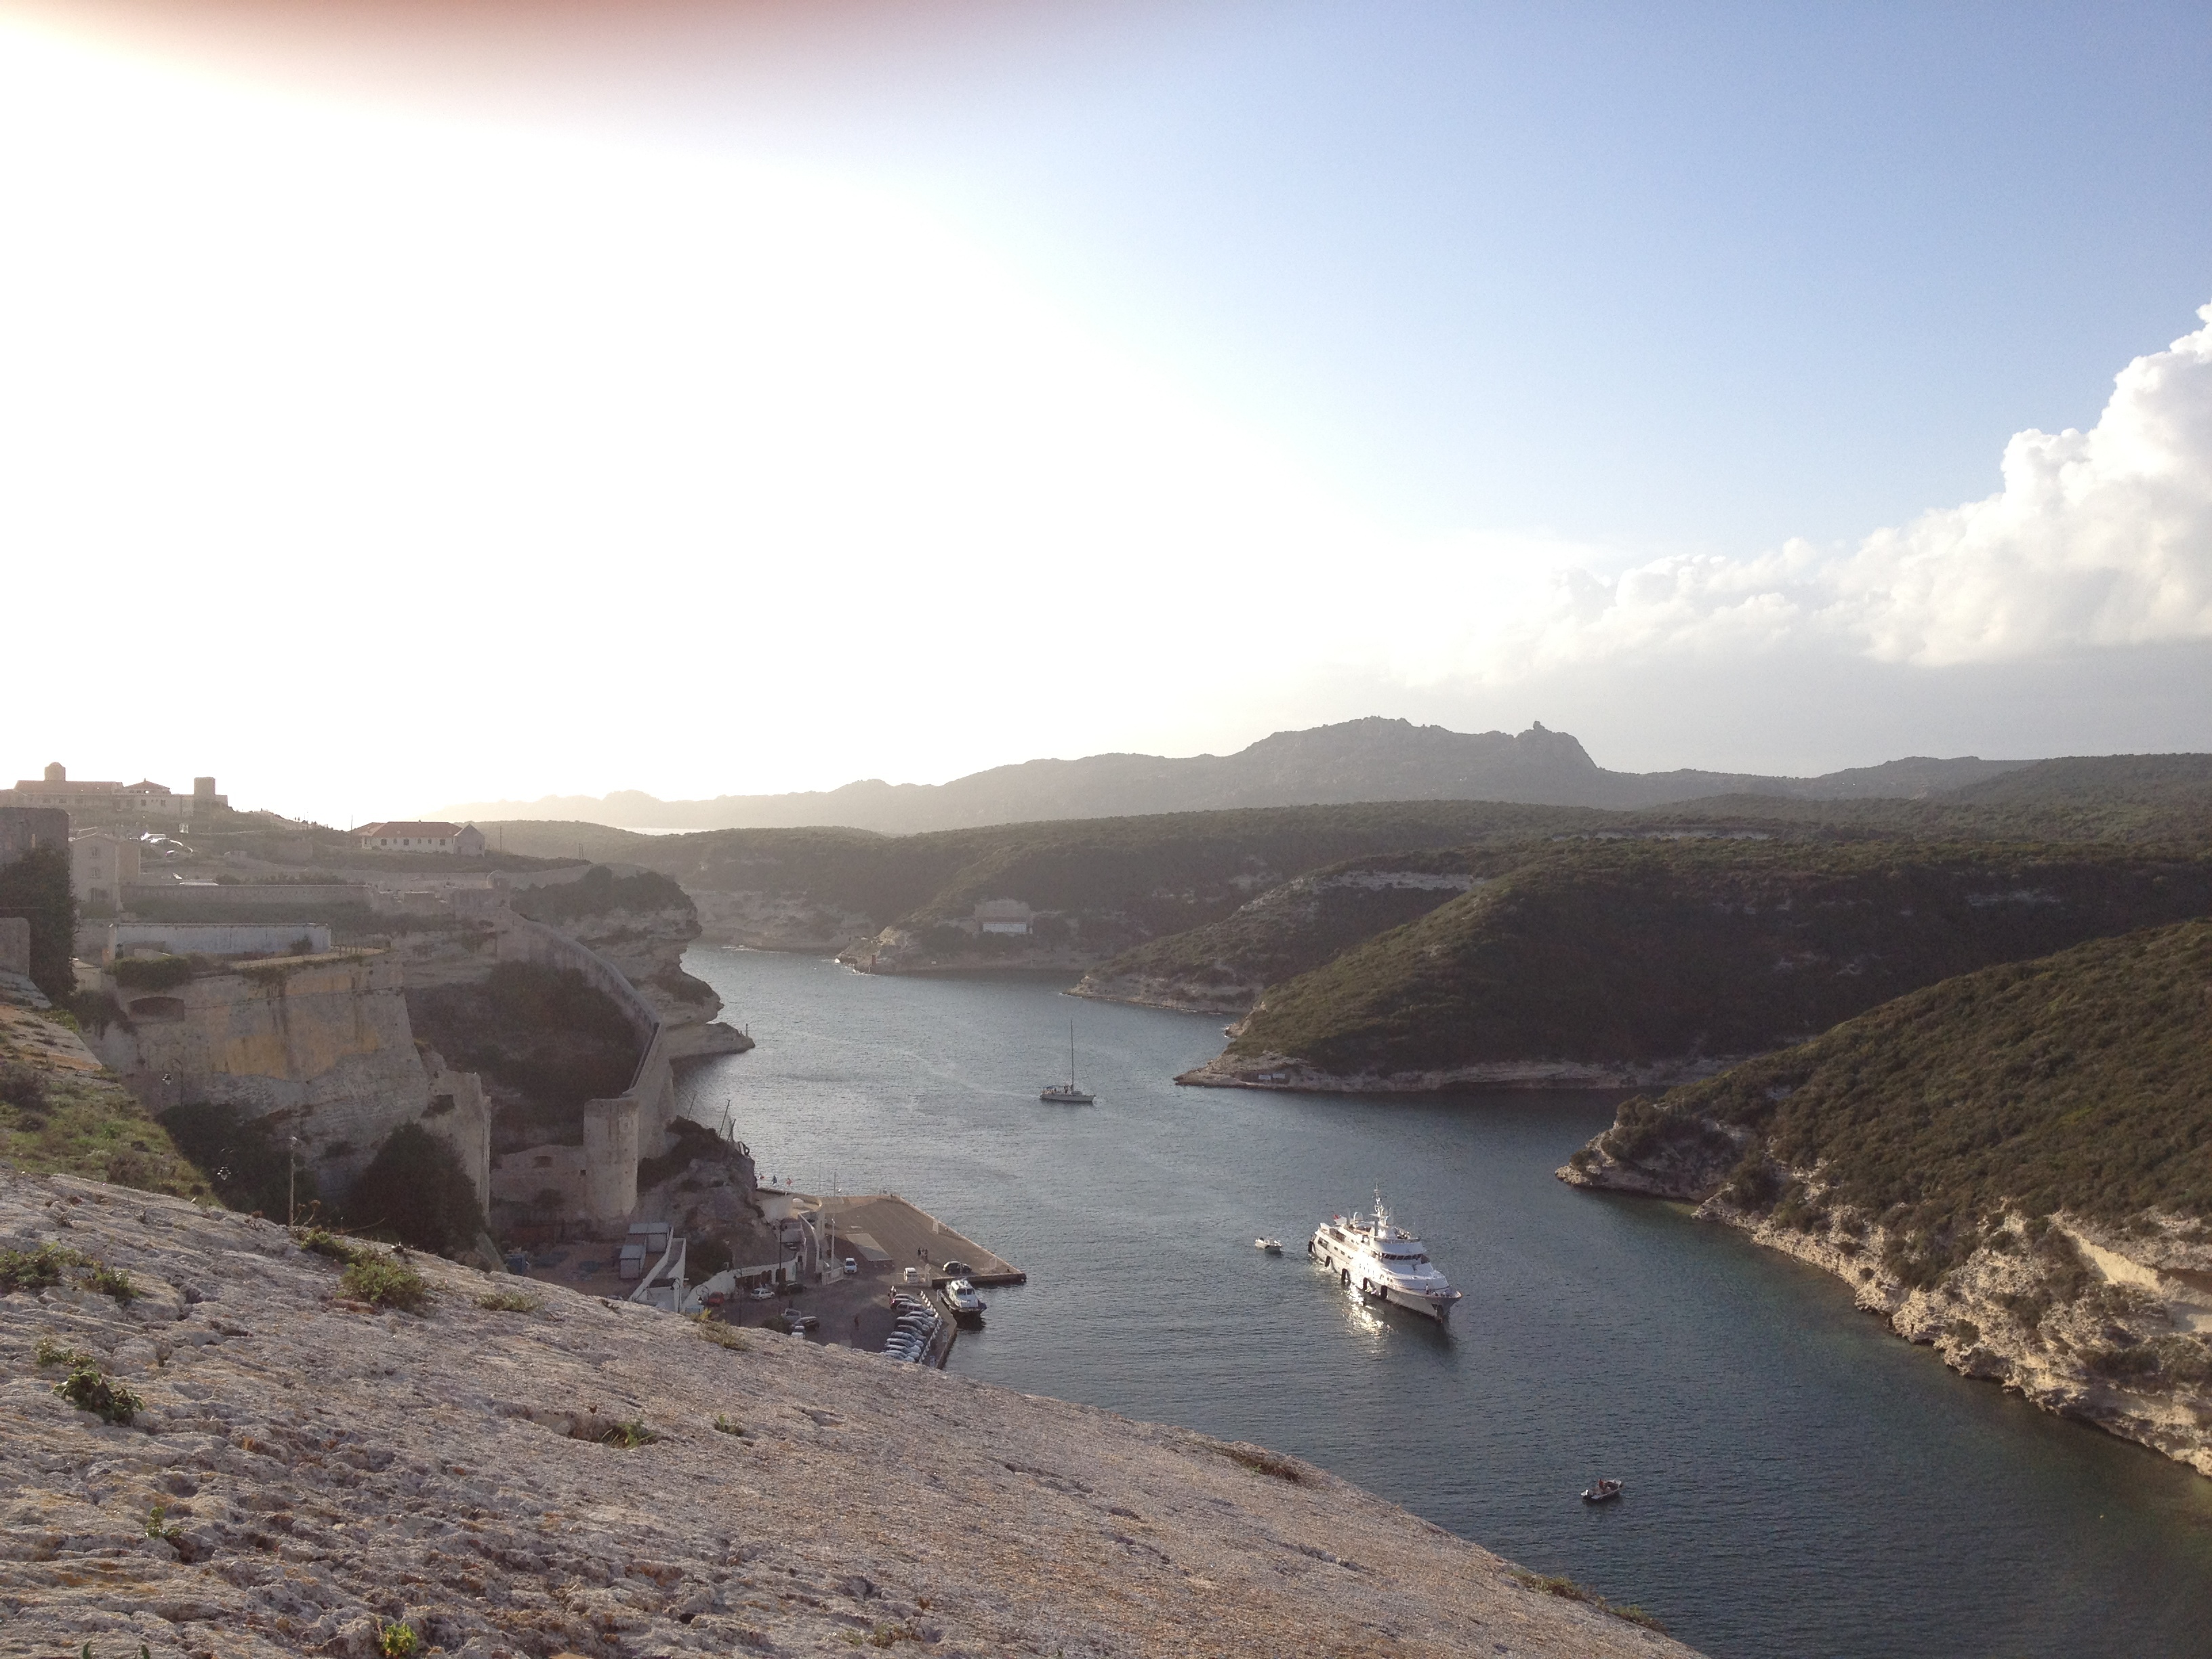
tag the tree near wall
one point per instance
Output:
(37, 886)
(416, 1189)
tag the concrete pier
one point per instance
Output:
(884, 1233)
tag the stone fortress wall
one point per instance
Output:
(320, 1042)
(596, 1181)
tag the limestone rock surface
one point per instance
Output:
(2107, 1326)
(305, 1468)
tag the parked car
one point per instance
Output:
(913, 1275)
(851, 1266)
(795, 1322)
(959, 1268)
(763, 1292)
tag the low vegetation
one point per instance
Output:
(415, 1190)
(80, 1123)
(318, 1242)
(509, 1302)
(110, 1282)
(385, 1280)
(1647, 951)
(722, 1336)
(247, 1164)
(33, 1269)
(163, 973)
(36, 887)
(2076, 1082)
(597, 891)
(89, 1389)
(51, 1352)
(1568, 1590)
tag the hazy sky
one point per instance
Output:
(448, 401)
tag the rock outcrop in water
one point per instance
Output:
(304, 1470)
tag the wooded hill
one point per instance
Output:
(1675, 954)
(2077, 1082)
(1118, 883)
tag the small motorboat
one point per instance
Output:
(1271, 1245)
(1601, 1491)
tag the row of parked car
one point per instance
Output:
(913, 1327)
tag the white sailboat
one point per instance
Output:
(1067, 1094)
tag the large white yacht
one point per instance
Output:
(1383, 1262)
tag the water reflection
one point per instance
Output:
(1799, 1482)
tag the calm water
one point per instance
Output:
(1800, 1483)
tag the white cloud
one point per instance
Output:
(2100, 539)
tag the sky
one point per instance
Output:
(442, 400)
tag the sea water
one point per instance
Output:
(1799, 1482)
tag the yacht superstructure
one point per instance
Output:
(1383, 1262)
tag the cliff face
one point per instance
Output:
(642, 925)
(2107, 1327)
(2013, 1166)
(325, 1039)
(304, 1469)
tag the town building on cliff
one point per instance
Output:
(416, 837)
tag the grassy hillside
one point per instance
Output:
(61, 1114)
(2077, 1082)
(1656, 952)
(1308, 920)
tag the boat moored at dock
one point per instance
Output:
(1383, 1262)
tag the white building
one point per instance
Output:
(415, 837)
(1004, 916)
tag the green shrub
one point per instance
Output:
(153, 973)
(24, 1087)
(157, 1523)
(85, 1388)
(396, 1641)
(320, 1243)
(416, 1189)
(51, 1352)
(629, 1434)
(715, 1331)
(597, 891)
(246, 1159)
(112, 1281)
(384, 1281)
(508, 1301)
(34, 1270)
(36, 886)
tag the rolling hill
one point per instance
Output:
(1629, 962)
(1363, 760)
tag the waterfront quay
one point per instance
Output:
(884, 1235)
(883, 1232)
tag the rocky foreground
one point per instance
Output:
(306, 1471)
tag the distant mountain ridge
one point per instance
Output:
(1374, 759)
